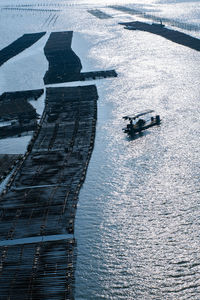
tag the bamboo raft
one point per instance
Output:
(41, 197)
(19, 45)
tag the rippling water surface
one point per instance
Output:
(137, 223)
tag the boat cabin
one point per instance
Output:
(139, 122)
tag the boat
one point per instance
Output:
(137, 124)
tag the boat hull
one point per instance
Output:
(131, 131)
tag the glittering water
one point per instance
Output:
(137, 223)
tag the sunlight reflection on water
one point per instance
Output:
(137, 223)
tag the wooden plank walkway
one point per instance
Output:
(43, 195)
(19, 45)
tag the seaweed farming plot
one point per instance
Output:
(43, 193)
(38, 271)
(99, 14)
(172, 35)
(20, 113)
(168, 21)
(18, 108)
(128, 10)
(64, 64)
(15, 107)
(31, 9)
(98, 75)
(29, 94)
(16, 128)
(7, 163)
(41, 197)
(19, 45)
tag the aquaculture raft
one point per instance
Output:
(99, 14)
(15, 108)
(64, 64)
(19, 45)
(27, 94)
(41, 198)
(172, 35)
(7, 163)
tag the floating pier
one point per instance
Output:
(41, 197)
(64, 64)
(19, 45)
(172, 35)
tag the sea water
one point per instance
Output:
(137, 222)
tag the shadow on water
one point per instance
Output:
(138, 136)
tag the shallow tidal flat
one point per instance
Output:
(42, 196)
